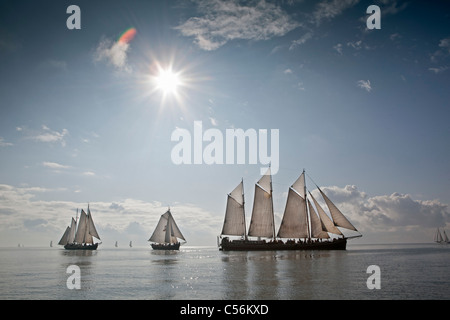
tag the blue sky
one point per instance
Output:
(365, 112)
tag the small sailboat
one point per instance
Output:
(301, 227)
(116, 245)
(131, 244)
(439, 238)
(81, 238)
(166, 234)
(51, 244)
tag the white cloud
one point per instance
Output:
(213, 121)
(338, 48)
(443, 52)
(330, 9)
(441, 56)
(4, 144)
(114, 53)
(223, 21)
(50, 136)
(54, 165)
(355, 45)
(365, 85)
(438, 69)
(301, 41)
(445, 43)
(396, 216)
(395, 36)
(392, 7)
(89, 173)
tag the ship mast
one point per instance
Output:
(308, 229)
(243, 208)
(273, 215)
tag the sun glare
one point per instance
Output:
(168, 81)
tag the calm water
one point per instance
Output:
(204, 273)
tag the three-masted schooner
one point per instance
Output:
(81, 238)
(303, 228)
(166, 234)
(439, 238)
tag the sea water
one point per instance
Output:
(409, 271)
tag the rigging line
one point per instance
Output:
(312, 180)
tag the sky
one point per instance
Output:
(90, 117)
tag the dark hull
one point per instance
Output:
(162, 246)
(254, 245)
(76, 246)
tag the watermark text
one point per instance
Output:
(229, 149)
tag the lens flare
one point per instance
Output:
(127, 36)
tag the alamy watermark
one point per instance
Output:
(213, 147)
(74, 20)
(74, 280)
(374, 280)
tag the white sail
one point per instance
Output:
(175, 230)
(266, 181)
(262, 222)
(73, 229)
(87, 236)
(317, 228)
(159, 235)
(65, 238)
(169, 238)
(328, 224)
(299, 185)
(159, 232)
(438, 236)
(234, 222)
(294, 223)
(339, 219)
(238, 193)
(445, 236)
(91, 227)
(81, 231)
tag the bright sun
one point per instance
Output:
(168, 81)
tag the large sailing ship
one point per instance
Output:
(166, 234)
(301, 227)
(81, 238)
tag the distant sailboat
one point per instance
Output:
(131, 244)
(166, 234)
(116, 245)
(51, 244)
(80, 238)
(439, 238)
(300, 221)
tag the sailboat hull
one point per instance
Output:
(81, 246)
(166, 246)
(262, 245)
